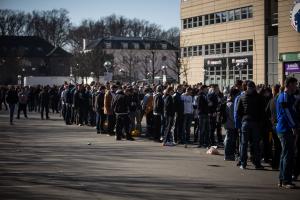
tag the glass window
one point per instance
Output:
(237, 46)
(195, 50)
(244, 45)
(224, 48)
(184, 23)
(250, 45)
(218, 48)
(250, 12)
(218, 17)
(200, 21)
(237, 14)
(184, 52)
(244, 13)
(211, 18)
(231, 47)
(200, 50)
(190, 23)
(190, 51)
(206, 20)
(230, 15)
(195, 22)
(224, 16)
(136, 45)
(164, 46)
(212, 49)
(206, 49)
(125, 45)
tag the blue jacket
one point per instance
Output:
(286, 114)
(237, 121)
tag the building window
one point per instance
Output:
(212, 49)
(206, 20)
(184, 52)
(195, 50)
(206, 49)
(147, 46)
(190, 23)
(237, 47)
(124, 45)
(200, 50)
(190, 51)
(218, 48)
(184, 23)
(224, 48)
(195, 22)
(108, 45)
(250, 12)
(136, 45)
(244, 12)
(211, 18)
(224, 16)
(244, 45)
(218, 18)
(200, 21)
(230, 15)
(250, 45)
(231, 49)
(164, 46)
(237, 14)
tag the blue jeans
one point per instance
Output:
(11, 112)
(100, 119)
(230, 143)
(203, 130)
(286, 158)
(168, 134)
(251, 130)
(187, 123)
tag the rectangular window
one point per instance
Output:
(218, 48)
(195, 50)
(136, 45)
(206, 20)
(200, 50)
(184, 52)
(190, 51)
(212, 19)
(184, 23)
(244, 13)
(164, 46)
(224, 48)
(237, 14)
(224, 17)
(230, 15)
(237, 47)
(200, 21)
(218, 17)
(250, 45)
(244, 46)
(108, 45)
(212, 49)
(147, 46)
(190, 23)
(250, 12)
(206, 49)
(124, 45)
(195, 22)
(231, 49)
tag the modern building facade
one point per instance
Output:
(138, 58)
(225, 40)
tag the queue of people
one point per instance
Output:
(259, 121)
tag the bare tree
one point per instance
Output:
(13, 22)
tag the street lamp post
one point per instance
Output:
(19, 79)
(164, 69)
(122, 70)
(239, 67)
(153, 66)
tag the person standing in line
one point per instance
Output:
(203, 124)
(179, 108)
(44, 101)
(188, 115)
(169, 112)
(158, 111)
(12, 100)
(285, 128)
(22, 106)
(99, 108)
(108, 111)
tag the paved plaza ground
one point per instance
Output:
(45, 159)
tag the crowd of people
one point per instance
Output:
(266, 118)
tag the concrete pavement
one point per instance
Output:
(49, 160)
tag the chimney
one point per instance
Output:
(83, 44)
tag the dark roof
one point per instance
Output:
(117, 43)
(29, 46)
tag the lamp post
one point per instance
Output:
(239, 67)
(19, 79)
(153, 66)
(122, 70)
(107, 65)
(164, 69)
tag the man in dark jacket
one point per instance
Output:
(11, 99)
(99, 108)
(44, 101)
(169, 112)
(202, 109)
(120, 105)
(249, 110)
(158, 111)
(68, 100)
(212, 99)
(179, 108)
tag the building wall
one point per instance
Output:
(288, 38)
(252, 28)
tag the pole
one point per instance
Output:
(153, 69)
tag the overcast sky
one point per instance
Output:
(162, 12)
